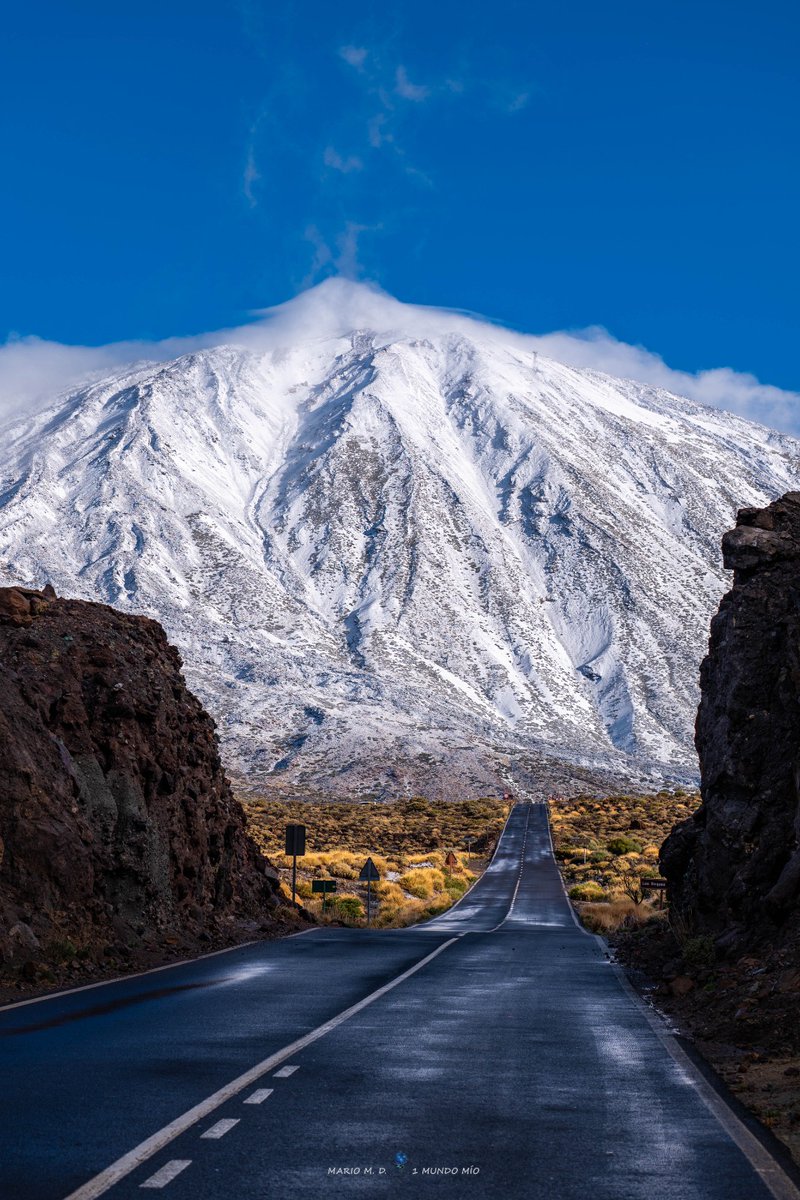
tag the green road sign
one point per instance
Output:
(324, 886)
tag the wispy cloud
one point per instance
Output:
(332, 158)
(356, 56)
(346, 130)
(720, 387)
(250, 176)
(520, 101)
(408, 90)
(342, 256)
(377, 131)
(323, 257)
(391, 98)
(33, 371)
(347, 242)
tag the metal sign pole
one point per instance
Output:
(295, 844)
(369, 872)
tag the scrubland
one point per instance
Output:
(606, 846)
(408, 841)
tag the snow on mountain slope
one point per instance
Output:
(395, 560)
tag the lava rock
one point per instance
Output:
(734, 867)
(117, 822)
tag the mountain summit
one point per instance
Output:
(399, 549)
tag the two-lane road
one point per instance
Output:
(494, 1051)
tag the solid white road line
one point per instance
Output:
(146, 1149)
(167, 1173)
(519, 873)
(429, 926)
(221, 1128)
(258, 1097)
(182, 962)
(570, 905)
(521, 864)
(88, 987)
(768, 1168)
(285, 1072)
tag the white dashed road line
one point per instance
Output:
(134, 1158)
(221, 1128)
(285, 1072)
(167, 1173)
(258, 1097)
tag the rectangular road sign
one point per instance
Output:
(296, 839)
(323, 885)
(656, 885)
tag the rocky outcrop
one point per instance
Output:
(734, 867)
(118, 829)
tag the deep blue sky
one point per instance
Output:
(170, 166)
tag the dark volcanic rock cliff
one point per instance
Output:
(734, 868)
(118, 829)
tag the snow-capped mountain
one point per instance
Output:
(395, 560)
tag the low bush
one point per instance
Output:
(423, 882)
(617, 914)
(624, 845)
(456, 887)
(348, 908)
(61, 950)
(699, 951)
(587, 891)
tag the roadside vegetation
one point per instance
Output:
(606, 846)
(419, 847)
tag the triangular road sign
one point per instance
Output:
(369, 871)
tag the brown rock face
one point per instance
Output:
(117, 823)
(734, 868)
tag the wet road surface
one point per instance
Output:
(492, 1052)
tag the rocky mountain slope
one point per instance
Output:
(734, 868)
(400, 561)
(118, 831)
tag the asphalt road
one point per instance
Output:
(501, 1056)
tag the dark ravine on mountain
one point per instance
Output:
(120, 840)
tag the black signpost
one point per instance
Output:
(325, 886)
(369, 872)
(468, 842)
(295, 844)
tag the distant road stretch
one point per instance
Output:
(492, 1052)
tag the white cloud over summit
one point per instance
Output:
(33, 371)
